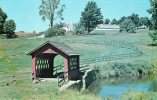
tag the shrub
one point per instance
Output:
(9, 28)
(153, 35)
(79, 29)
(50, 32)
(128, 25)
(153, 86)
(61, 32)
(131, 27)
(54, 32)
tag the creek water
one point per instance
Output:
(116, 87)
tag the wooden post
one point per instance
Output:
(34, 67)
(32, 76)
(14, 80)
(66, 69)
(58, 81)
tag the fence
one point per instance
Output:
(62, 78)
(57, 69)
(6, 80)
(108, 58)
(137, 52)
(84, 68)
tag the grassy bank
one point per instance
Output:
(25, 90)
(134, 95)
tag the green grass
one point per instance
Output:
(25, 90)
(13, 60)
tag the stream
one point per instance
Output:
(116, 87)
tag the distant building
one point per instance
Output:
(107, 27)
(68, 27)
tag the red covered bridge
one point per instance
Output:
(43, 60)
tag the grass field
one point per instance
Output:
(13, 60)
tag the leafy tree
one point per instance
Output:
(106, 21)
(145, 21)
(128, 25)
(153, 12)
(122, 19)
(9, 28)
(3, 17)
(135, 18)
(91, 16)
(59, 26)
(50, 10)
(114, 22)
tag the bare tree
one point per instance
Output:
(51, 10)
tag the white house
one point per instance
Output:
(68, 27)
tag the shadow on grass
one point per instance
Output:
(152, 44)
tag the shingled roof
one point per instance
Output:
(62, 47)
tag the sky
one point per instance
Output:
(25, 13)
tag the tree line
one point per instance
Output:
(90, 17)
(7, 27)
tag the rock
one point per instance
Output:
(112, 73)
(35, 81)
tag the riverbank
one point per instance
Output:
(125, 69)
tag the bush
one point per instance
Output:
(54, 32)
(131, 27)
(79, 29)
(61, 32)
(153, 35)
(153, 86)
(128, 25)
(9, 28)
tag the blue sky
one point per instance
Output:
(26, 13)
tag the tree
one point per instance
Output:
(106, 21)
(153, 12)
(135, 18)
(145, 21)
(91, 16)
(114, 22)
(3, 17)
(49, 9)
(59, 26)
(9, 28)
(122, 19)
(128, 25)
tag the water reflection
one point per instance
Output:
(115, 87)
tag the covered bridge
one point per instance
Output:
(43, 60)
